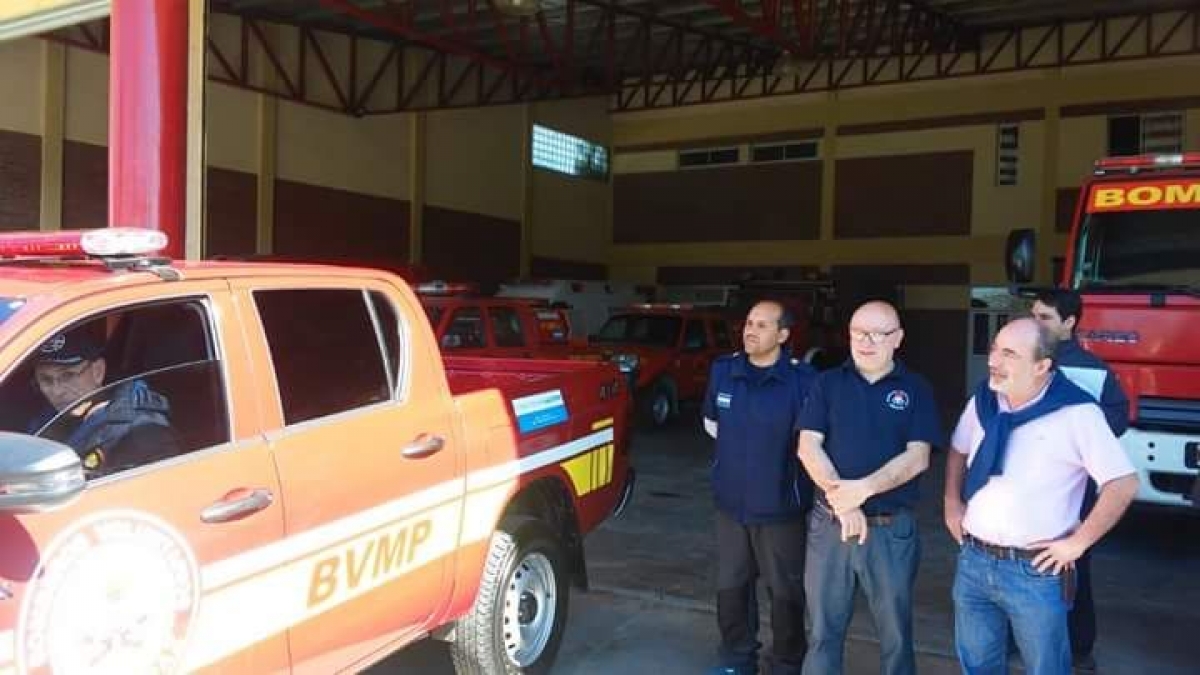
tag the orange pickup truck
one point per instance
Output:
(269, 468)
(468, 324)
(666, 351)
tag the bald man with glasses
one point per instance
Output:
(865, 436)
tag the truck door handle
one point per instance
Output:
(423, 446)
(237, 504)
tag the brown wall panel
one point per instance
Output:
(464, 246)
(935, 345)
(85, 185)
(1064, 208)
(232, 198)
(942, 122)
(904, 195)
(20, 181)
(741, 203)
(728, 274)
(925, 275)
(334, 224)
(558, 268)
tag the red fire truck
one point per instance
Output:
(1134, 254)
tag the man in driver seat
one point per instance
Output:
(121, 427)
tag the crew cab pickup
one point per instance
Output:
(666, 350)
(333, 489)
(468, 324)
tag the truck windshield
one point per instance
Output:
(646, 329)
(9, 306)
(1153, 250)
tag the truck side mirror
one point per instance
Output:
(37, 474)
(1019, 256)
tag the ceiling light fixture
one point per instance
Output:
(518, 7)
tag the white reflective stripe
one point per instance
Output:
(254, 595)
(710, 427)
(246, 612)
(7, 648)
(505, 472)
(278, 553)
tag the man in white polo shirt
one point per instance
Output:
(1023, 451)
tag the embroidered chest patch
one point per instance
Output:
(724, 400)
(897, 399)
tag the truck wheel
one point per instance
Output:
(517, 622)
(658, 406)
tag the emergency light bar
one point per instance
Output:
(443, 288)
(1187, 160)
(105, 242)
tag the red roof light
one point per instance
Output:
(1135, 163)
(105, 242)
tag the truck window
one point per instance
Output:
(434, 313)
(506, 327)
(646, 329)
(695, 337)
(325, 351)
(8, 307)
(124, 388)
(465, 330)
(720, 331)
(1139, 248)
(389, 329)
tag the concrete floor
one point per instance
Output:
(651, 609)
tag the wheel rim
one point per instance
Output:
(530, 609)
(661, 408)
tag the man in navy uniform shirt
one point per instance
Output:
(1060, 310)
(752, 405)
(865, 437)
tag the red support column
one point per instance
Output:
(147, 117)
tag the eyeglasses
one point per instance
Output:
(873, 336)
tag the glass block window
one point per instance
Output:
(567, 154)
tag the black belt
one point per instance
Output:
(882, 519)
(1001, 552)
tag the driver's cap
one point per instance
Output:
(69, 349)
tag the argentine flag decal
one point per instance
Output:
(540, 411)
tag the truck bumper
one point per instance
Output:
(1166, 465)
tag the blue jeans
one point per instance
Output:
(886, 567)
(989, 594)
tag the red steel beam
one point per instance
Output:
(147, 121)
(762, 26)
(409, 32)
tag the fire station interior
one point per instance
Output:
(703, 151)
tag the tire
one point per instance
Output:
(658, 406)
(524, 585)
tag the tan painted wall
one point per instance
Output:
(473, 161)
(572, 217)
(995, 210)
(20, 86)
(87, 97)
(232, 133)
(367, 155)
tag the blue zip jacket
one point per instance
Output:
(1095, 377)
(756, 476)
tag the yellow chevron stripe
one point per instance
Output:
(592, 470)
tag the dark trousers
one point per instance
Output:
(1081, 621)
(775, 552)
(885, 568)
